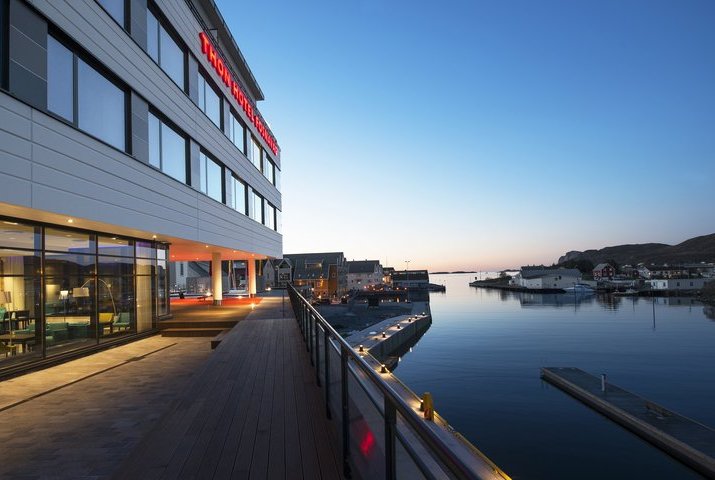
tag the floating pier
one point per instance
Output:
(684, 439)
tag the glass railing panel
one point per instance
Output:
(367, 433)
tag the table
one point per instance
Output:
(18, 338)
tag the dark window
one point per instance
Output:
(80, 94)
(209, 100)
(165, 51)
(211, 182)
(167, 149)
(116, 9)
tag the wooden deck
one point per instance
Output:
(253, 411)
(687, 440)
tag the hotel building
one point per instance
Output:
(129, 138)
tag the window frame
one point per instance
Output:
(234, 181)
(79, 54)
(208, 83)
(162, 22)
(204, 184)
(234, 120)
(127, 19)
(164, 120)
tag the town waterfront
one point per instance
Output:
(481, 359)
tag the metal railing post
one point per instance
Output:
(317, 353)
(326, 364)
(346, 411)
(390, 428)
(309, 343)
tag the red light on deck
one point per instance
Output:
(367, 442)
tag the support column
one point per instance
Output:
(251, 276)
(216, 283)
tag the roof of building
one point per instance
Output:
(536, 272)
(314, 265)
(363, 266)
(601, 266)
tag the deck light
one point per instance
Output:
(70, 220)
(154, 237)
(398, 326)
(383, 368)
(361, 349)
(384, 335)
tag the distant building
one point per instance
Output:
(678, 284)
(387, 273)
(662, 271)
(604, 271)
(364, 273)
(325, 273)
(410, 278)
(539, 278)
(277, 273)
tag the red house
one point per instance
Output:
(603, 271)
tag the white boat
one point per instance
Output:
(580, 288)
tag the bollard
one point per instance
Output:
(361, 349)
(428, 406)
(398, 326)
(603, 382)
(384, 335)
(383, 368)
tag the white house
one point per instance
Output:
(678, 283)
(535, 278)
(364, 273)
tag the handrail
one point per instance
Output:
(434, 443)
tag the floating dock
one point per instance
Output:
(684, 439)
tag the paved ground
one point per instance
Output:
(81, 419)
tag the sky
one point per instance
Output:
(485, 134)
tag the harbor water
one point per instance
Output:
(481, 360)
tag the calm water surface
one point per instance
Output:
(481, 359)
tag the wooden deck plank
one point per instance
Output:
(252, 411)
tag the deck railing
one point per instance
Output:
(382, 436)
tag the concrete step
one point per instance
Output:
(214, 323)
(216, 341)
(191, 332)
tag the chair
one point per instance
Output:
(106, 320)
(123, 321)
(55, 332)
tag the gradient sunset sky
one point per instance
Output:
(486, 134)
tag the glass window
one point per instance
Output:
(60, 85)
(209, 101)
(164, 50)
(279, 221)
(17, 235)
(211, 182)
(167, 149)
(255, 153)
(2, 43)
(70, 241)
(115, 246)
(239, 195)
(256, 207)
(268, 168)
(115, 265)
(269, 219)
(101, 106)
(237, 133)
(154, 141)
(277, 179)
(115, 8)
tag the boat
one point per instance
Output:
(580, 288)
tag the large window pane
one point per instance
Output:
(209, 100)
(68, 241)
(20, 339)
(154, 141)
(277, 178)
(115, 8)
(173, 153)
(239, 195)
(255, 153)
(171, 57)
(256, 207)
(268, 168)
(69, 264)
(146, 250)
(152, 29)
(214, 180)
(70, 321)
(237, 133)
(279, 221)
(270, 216)
(17, 235)
(101, 106)
(115, 266)
(115, 297)
(59, 79)
(115, 246)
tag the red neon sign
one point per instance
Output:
(208, 49)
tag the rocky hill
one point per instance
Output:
(698, 249)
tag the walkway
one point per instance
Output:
(252, 411)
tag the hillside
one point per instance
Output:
(698, 249)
